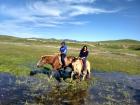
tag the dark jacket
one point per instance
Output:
(83, 54)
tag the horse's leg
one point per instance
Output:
(72, 74)
(84, 74)
(88, 74)
(51, 74)
(79, 75)
(58, 76)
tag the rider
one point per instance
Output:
(83, 54)
(63, 51)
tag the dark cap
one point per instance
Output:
(63, 42)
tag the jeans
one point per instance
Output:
(84, 63)
(63, 59)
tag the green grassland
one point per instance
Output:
(20, 55)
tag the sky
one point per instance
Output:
(83, 20)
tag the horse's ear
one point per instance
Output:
(43, 57)
(79, 58)
(74, 59)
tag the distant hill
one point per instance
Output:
(121, 41)
(6, 37)
(114, 44)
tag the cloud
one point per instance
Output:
(50, 13)
(120, 0)
(45, 8)
(129, 0)
(72, 1)
(78, 22)
(83, 10)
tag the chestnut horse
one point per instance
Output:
(54, 61)
(77, 66)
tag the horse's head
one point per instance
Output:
(70, 59)
(76, 64)
(42, 61)
(76, 59)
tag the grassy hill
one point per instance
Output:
(20, 55)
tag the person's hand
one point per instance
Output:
(83, 58)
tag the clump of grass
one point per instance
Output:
(115, 62)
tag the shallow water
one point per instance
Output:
(106, 89)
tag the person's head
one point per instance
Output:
(63, 43)
(84, 48)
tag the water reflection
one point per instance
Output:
(106, 89)
(67, 96)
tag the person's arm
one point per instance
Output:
(87, 52)
(63, 49)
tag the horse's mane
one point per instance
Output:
(57, 55)
(47, 55)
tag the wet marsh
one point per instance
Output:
(115, 74)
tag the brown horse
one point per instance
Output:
(77, 66)
(54, 61)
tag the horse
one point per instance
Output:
(54, 61)
(77, 67)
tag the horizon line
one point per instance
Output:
(70, 39)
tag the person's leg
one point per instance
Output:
(84, 63)
(63, 59)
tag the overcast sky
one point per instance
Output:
(84, 20)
